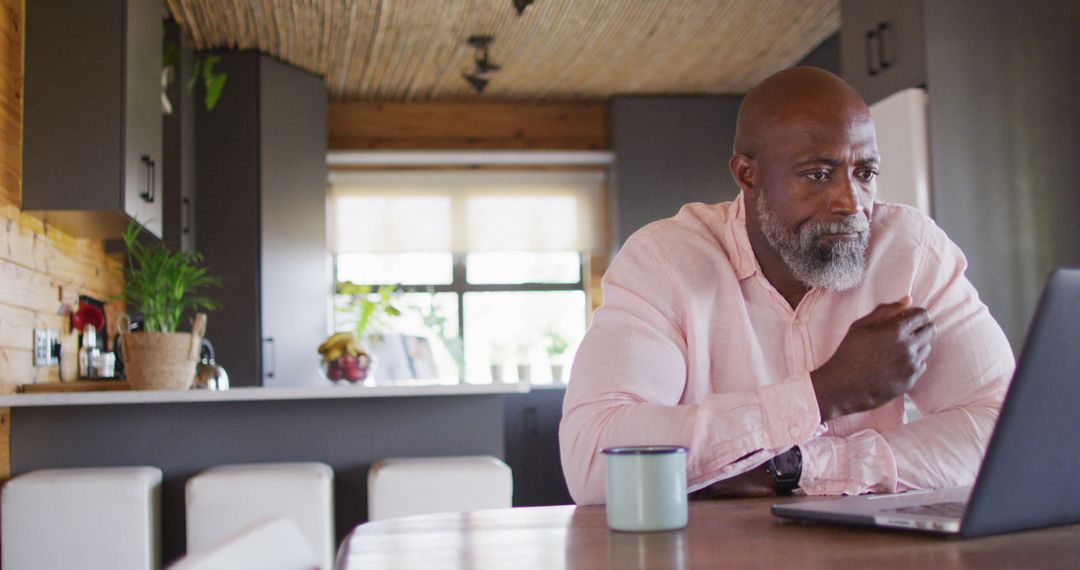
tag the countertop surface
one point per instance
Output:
(412, 389)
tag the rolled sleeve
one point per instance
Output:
(860, 463)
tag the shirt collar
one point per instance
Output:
(745, 262)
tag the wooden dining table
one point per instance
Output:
(735, 533)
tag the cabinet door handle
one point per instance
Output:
(871, 58)
(153, 180)
(883, 61)
(273, 357)
(148, 188)
(185, 216)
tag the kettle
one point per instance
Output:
(208, 374)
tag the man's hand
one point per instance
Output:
(756, 482)
(881, 357)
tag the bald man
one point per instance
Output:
(776, 335)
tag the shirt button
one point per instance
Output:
(797, 320)
(794, 432)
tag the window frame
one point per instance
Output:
(459, 285)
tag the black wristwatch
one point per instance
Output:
(786, 468)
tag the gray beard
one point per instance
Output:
(837, 268)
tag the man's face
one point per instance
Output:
(815, 197)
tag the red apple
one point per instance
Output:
(354, 373)
(348, 361)
(334, 372)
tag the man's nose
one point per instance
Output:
(844, 198)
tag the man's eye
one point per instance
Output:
(867, 175)
(819, 176)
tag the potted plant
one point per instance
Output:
(523, 369)
(163, 286)
(498, 357)
(556, 346)
(342, 354)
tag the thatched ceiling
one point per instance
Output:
(415, 50)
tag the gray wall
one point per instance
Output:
(1004, 79)
(669, 151)
(826, 55)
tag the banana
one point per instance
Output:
(335, 340)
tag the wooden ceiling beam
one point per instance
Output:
(469, 126)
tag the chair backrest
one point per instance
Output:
(272, 544)
(399, 487)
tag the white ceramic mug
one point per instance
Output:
(646, 487)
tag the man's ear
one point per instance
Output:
(744, 171)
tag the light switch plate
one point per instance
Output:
(44, 339)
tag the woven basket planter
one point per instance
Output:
(162, 361)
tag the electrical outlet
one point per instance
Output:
(44, 341)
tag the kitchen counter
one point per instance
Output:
(412, 389)
(183, 432)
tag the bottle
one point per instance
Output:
(89, 354)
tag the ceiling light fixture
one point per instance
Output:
(520, 5)
(480, 76)
(476, 82)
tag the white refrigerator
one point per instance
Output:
(903, 145)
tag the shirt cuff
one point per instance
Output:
(860, 463)
(790, 411)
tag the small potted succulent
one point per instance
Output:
(556, 346)
(343, 357)
(163, 286)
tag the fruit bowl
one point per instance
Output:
(343, 359)
(349, 368)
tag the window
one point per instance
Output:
(489, 266)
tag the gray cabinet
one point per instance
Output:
(92, 116)
(178, 150)
(260, 211)
(882, 46)
(531, 426)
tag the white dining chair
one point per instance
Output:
(91, 518)
(406, 486)
(226, 498)
(271, 544)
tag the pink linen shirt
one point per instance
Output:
(693, 346)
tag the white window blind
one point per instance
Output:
(462, 212)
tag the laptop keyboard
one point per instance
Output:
(950, 509)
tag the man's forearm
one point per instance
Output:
(756, 482)
(943, 449)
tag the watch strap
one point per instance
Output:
(786, 470)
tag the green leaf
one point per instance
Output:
(171, 55)
(214, 85)
(160, 284)
(214, 82)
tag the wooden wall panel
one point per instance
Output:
(469, 126)
(15, 321)
(11, 16)
(79, 262)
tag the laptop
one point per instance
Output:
(1030, 475)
